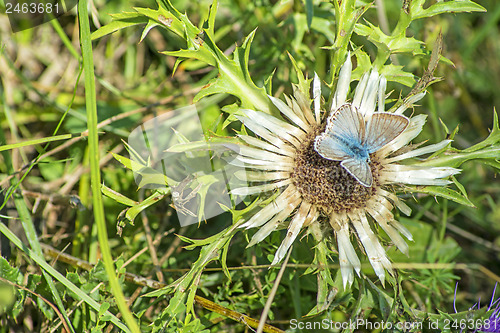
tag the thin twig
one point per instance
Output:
(272, 294)
(155, 242)
(174, 246)
(149, 239)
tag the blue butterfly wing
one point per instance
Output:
(359, 169)
(346, 122)
(344, 127)
(382, 128)
(330, 148)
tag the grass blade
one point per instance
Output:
(95, 174)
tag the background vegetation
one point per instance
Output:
(42, 97)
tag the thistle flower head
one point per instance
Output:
(283, 157)
(486, 325)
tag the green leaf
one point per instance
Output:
(189, 146)
(193, 54)
(384, 301)
(397, 74)
(211, 17)
(8, 294)
(304, 83)
(173, 21)
(391, 44)
(486, 151)
(133, 153)
(135, 210)
(151, 177)
(190, 29)
(148, 176)
(443, 192)
(103, 309)
(223, 261)
(441, 7)
(204, 182)
(234, 77)
(9, 273)
(268, 84)
(309, 13)
(128, 163)
(491, 163)
(460, 187)
(118, 197)
(364, 64)
(120, 21)
(151, 24)
(457, 158)
(493, 138)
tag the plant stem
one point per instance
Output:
(95, 175)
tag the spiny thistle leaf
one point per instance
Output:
(417, 11)
(304, 83)
(391, 44)
(443, 192)
(118, 197)
(234, 77)
(396, 73)
(120, 21)
(492, 139)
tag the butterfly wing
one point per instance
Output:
(330, 148)
(346, 122)
(382, 128)
(344, 127)
(359, 169)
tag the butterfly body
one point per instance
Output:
(353, 147)
(350, 138)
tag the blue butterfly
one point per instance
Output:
(349, 138)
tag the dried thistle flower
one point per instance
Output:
(313, 189)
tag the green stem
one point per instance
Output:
(456, 159)
(38, 141)
(403, 24)
(186, 286)
(91, 106)
(381, 58)
(57, 27)
(347, 15)
(345, 27)
(324, 275)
